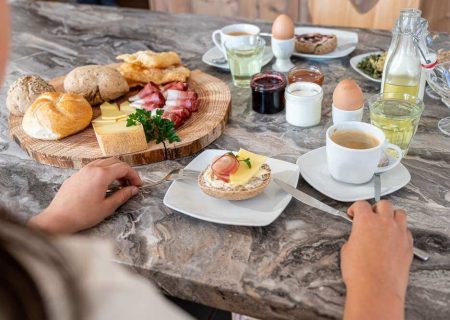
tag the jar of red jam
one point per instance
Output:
(268, 92)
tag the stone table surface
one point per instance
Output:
(287, 270)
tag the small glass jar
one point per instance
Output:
(304, 104)
(308, 73)
(268, 92)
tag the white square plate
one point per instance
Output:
(314, 169)
(185, 196)
(346, 43)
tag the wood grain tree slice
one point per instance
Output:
(202, 128)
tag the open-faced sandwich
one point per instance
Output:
(315, 43)
(238, 176)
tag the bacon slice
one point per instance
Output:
(224, 166)
(175, 118)
(183, 112)
(177, 95)
(155, 99)
(176, 85)
(148, 89)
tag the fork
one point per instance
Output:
(175, 174)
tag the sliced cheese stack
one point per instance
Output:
(113, 135)
(244, 174)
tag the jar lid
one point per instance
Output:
(268, 81)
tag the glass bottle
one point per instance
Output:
(402, 71)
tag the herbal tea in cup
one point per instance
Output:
(245, 59)
(397, 115)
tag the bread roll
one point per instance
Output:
(55, 115)
(96, 83)
(24, 91)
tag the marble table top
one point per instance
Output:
(287, 270)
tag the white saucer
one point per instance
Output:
(215, 53)
(346, 43)
(185, 196)
(357, 59)
(314, 169)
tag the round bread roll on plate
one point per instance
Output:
(56, 115)
(217, 188)
(96, 83)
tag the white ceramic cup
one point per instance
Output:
(358, 166)
(305, 109)
(220, 36)
(340, 115)
(282, 50)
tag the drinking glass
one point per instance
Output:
(398, 115)
(245, 59)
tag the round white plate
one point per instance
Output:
(185, 196)
(314, 169)
(215, 53)
(357, 59)
(346, 43)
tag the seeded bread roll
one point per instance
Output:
(24, 91)
(243, 192)
(96, 84)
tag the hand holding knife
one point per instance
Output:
(307, 199)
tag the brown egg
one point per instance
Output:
(348, 95)
(283, 27)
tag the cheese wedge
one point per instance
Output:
(126, 108)
(115, 138)
(111, 111)
(244, 174)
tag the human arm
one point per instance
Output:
(375, 262)
(80, 202)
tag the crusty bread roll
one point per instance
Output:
(96, 83)
(24, 91)
(244, 192)
(56, 115)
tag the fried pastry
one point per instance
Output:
(151, 59)
(137, 73)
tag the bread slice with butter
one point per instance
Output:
(246, 183)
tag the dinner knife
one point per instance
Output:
(310, 201)
(377, 186)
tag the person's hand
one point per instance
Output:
(81, 203)
(375, 261)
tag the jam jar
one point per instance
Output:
(268, 92)
(306, 73)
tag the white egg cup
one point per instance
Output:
(340, 115)
(282, 50)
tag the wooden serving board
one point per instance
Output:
(202, 128)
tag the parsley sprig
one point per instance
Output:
(155, 127)
(246, 160)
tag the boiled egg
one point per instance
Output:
(348, 95)
(283, 27)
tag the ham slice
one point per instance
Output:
(176, 85)
(147, 90)
(180, 95)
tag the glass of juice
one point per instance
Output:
(398, 115)
(245, 59)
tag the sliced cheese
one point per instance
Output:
(115, 138)
(111, 111)
(100, 119)
(127, 108)
(244, 174)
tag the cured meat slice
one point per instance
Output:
(147, 90)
